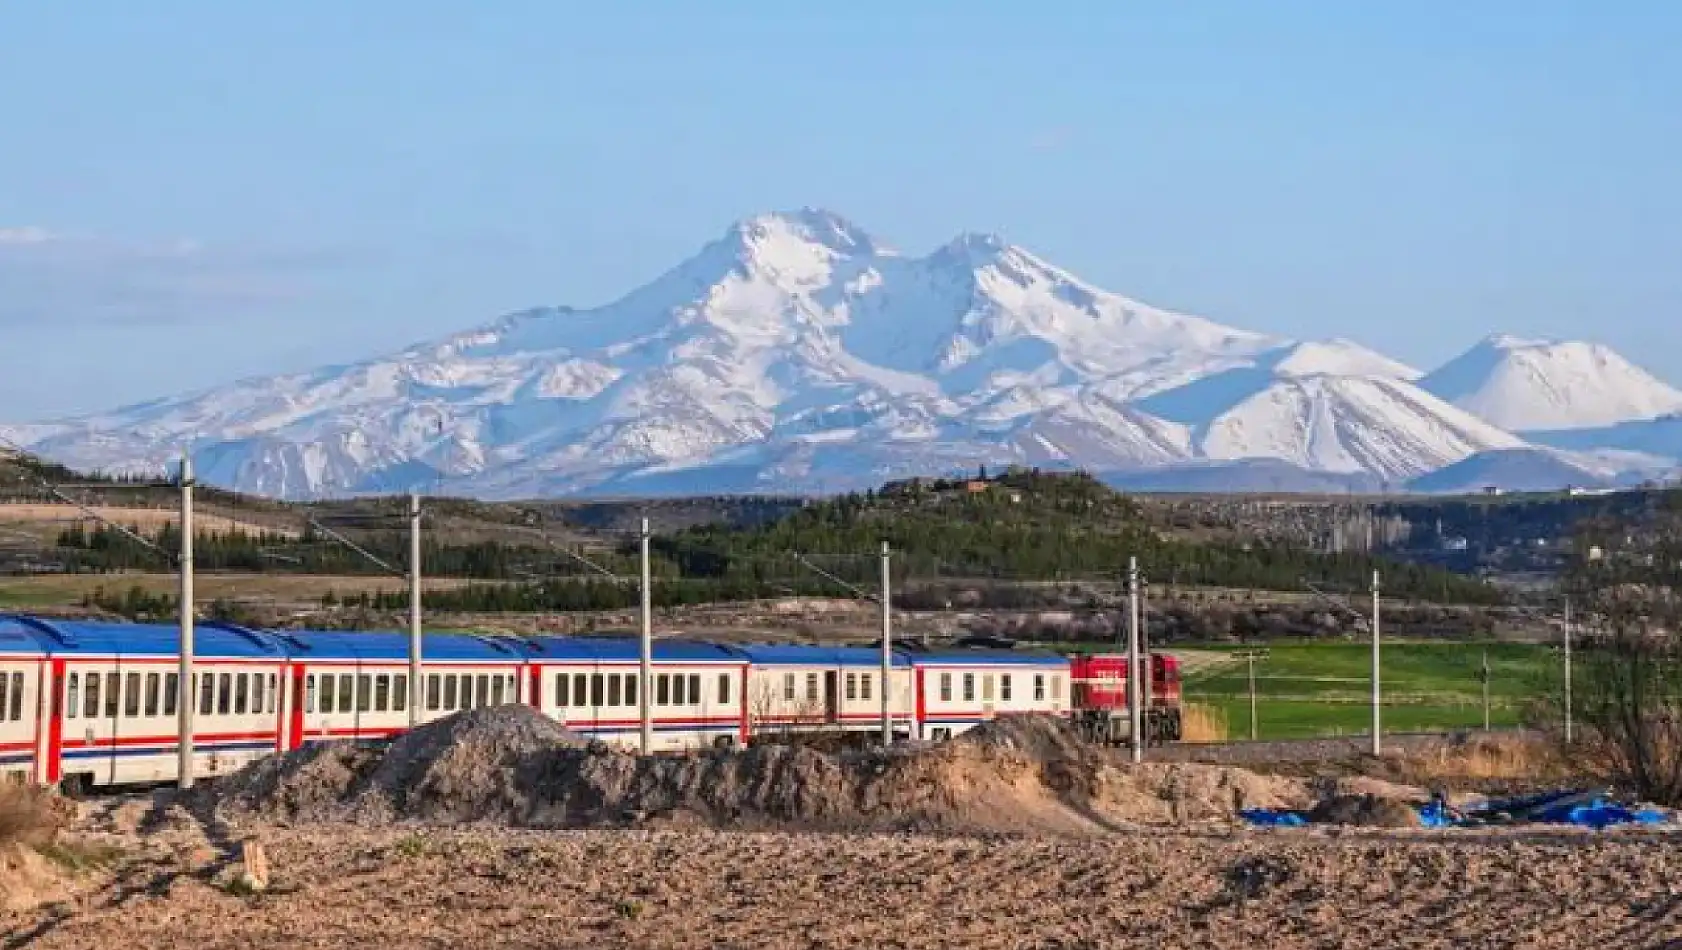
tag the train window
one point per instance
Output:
(400, 692)
(662, 690)
(724, 689)
(224, 694)
(561, 689)
(432, 696)
(153, 681)
(327, 694)
(242, 694)
(257, 697)
(1039, 687)
(73, 696)
(678, 691)
(90, 703)
(852, 686)
(364, 692)
(946, 687)
(969, 687)
(864, 685)
(613, 690)
(345, 680)
(788, 686)
(987, 688)
(811, 687)
(111, 697)
(579, 697)
(382, 693)
(597, 688)
(1004, 687)
(450, 692)
(17, 697)
(172, 689)
(4, 694)
(695, 689)
(309, 694)
(498, 683)
(484, 690)
(1056, 687)
(631, 689)
(132, 696)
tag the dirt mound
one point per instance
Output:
(510, 765)
(1370, 811)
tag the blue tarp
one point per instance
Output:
(1576, 807)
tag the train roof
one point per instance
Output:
(975, 656)
(789, 654)
(618, 649)
(393, 645)
(101, 638)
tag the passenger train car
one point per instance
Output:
(86, 704)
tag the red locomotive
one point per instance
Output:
(1100, 697)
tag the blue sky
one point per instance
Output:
(268, 187)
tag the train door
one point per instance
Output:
(51, 769)
(300, 702)
(832, 696)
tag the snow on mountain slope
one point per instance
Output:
(796, 353)
(1201, 401)
(1525, 385)
(788, 331)
(1387, 427)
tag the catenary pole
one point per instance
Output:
(1255, 728)
(1377, 688)
(887, 646)
(1485, 677)
(185, 692)
(1567, 632)
(415, 666)
(1135, 692)
(645, 646)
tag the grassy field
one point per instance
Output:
(1318, 689)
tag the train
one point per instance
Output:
(89, 704)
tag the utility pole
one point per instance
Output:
(645, 649)
(185, 692)
(1135, 694)
(887, 647)
(414, 609)
(1255, 728)
(1377, 689)
(1567, 671)
(1483, 674)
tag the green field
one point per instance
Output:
(1319, 689)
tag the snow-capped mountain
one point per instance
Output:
(798, 353)
(1526, 385)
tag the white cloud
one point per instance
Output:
(26, 235)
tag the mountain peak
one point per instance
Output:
(808, 225)
(1531, 384)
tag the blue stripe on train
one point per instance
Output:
(17, 758)
(170, 749)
